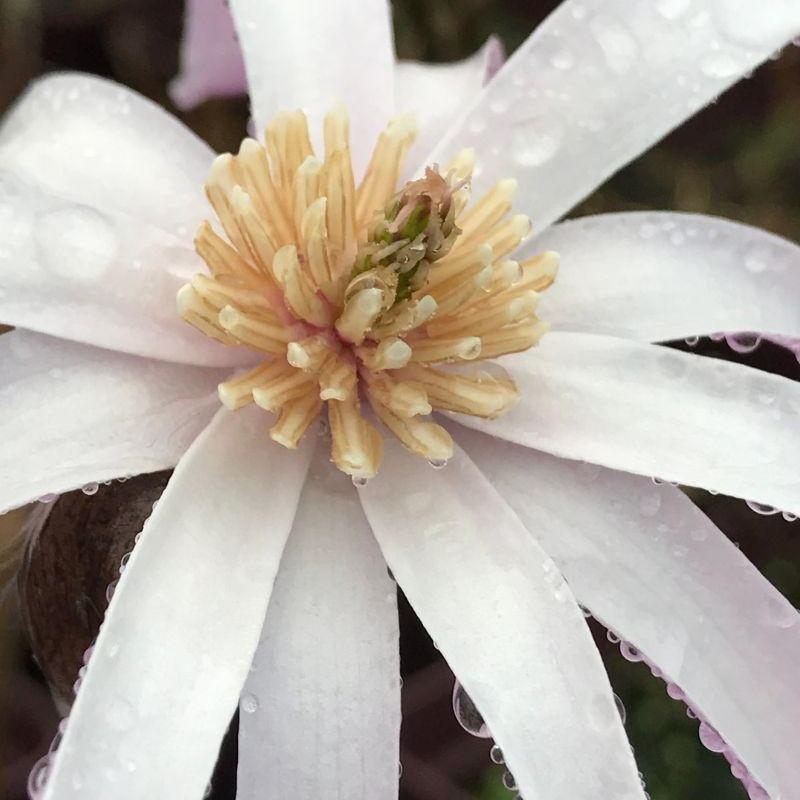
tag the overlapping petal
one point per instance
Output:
(320, 713)
(654, 568)
(650, 410)
(654, 276)
(181, 630)
(507, 624)
(74, 414)
(600, 81)
(438, 93)
(311, 53)
(211, 59)
(100, 197)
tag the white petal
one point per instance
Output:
(101, 193)
(437, 93)
(180, 633)
(506, 622)
(72, 414)
(97, 276)
(320, 713)
(658, 276)
(311, 53)
(600, 81)
(97, 143)
(651, 410)
(211, 60)
(653, 567)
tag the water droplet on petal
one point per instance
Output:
(672, 9)
(623, 713)
(467, 713)
(91, 488)
(359, 481)
(50, 497)
(249, 703)
(719, 65)
(620, 49)
(37, 779)
(438, 463)
(761, 508)
(711, 739)
(496, 754)
(536, 140)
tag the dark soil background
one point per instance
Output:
(739, 158)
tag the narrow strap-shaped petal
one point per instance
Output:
(657, 276)
(600, 81)
(101, 193)
(438, 93)
(71, 415)
(211, 60)
(654, 411)
(653, 567)
(310, 54)
(506, 622)
(320, 713)
(182, 627)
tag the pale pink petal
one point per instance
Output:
(320, 712)
(654, 276)
(311, 53)
(600, 81)
(73, 415)
(181, 630)
(653, 567)
(505, 620)
(655, 411)
(437, 93)
(211, 60)
(101, 193)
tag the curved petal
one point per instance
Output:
(657, 571)
(72, 414)
(320, 713)
(97, 143)
(655, 276)
(97, 276)
(211, 60)
(101, 193)
(437, 93)
(601, 81)
(313, 53)
(182, 627)
(651, 410)
(506, 622)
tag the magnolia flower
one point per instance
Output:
(261, 576)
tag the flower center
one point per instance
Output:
(363, 296)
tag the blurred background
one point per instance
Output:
(739, 158)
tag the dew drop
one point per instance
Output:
(509, 781)
(612, 637)
(77, 243)
(761, 508)
(359, 480)
(710, 739)
(91, 488)
(50, 497)
(467, 713)
(629, 652)
(536, 140)
(563, 59)
(756, 259)
(496, 754)
(781, 613)
(37, 779)
(692, 341)
(619, 48)
(249, 704)
(743, 342)
(110, 589)
(788, 516)
(672, 9)
(438, 463)
(621, 710)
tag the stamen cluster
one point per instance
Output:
(360, 295)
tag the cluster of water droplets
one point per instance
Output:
(40, 773)
(709, 737)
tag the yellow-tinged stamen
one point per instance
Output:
(355, 294)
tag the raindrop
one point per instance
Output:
(38, 777)
(788, 516)
(50, 497)
(249, 703)
(360, 480)
(619, 47)
(743, 342)
(438, 463)
(761, 508)
(536, 140)
(781, 613)
(496, 754)
(756, 259)
(509, 781)
(675, 691)
(91, 488)
(110, 589)
(692, 341)
(467, 713)
(623, 713)
(710, 739)
(672, 9)
(77, 243)
(629, 652)
(563, 59)
(612, 637)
